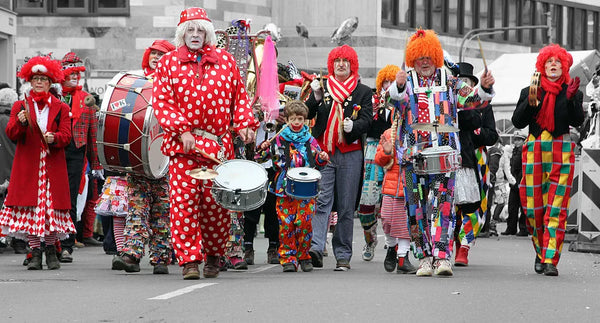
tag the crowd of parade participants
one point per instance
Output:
(411, 154)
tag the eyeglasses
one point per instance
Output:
(40, 79)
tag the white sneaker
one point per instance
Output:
(443, 267)
(425, 268)
(368, 251)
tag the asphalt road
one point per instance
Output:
(498, 286)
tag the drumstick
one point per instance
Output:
(277, 134)
(482, 57)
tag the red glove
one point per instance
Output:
(573, 87)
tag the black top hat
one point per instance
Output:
(466, 70)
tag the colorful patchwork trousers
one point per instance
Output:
(295, 228)
(548, 165)
(370, 197)
(236, 235)
(148, 219)
(431, 215)
(199, 226)
(472, 222)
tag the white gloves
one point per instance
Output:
(348, 125)
(99, 174)
(317, 90)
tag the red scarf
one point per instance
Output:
(339, 93)
(41, 98)
(76, 99)
(545, 117)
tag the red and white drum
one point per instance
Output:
(129, 136)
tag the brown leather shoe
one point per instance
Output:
(190, 271)
(211, 268)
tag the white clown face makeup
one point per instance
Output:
(194, 37)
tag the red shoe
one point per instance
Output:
(462, 257)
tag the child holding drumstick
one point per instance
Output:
(293, 147)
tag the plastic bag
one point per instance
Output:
(466, 188)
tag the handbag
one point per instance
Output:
(466, 187)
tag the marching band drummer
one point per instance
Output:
(548, 158)
(148, 209)
(198, 98)
(427, 95)
(37, 205)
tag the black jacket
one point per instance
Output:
(470, 120)
(362, 95)
(566, 112)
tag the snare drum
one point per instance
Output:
(129, 136)
(241, 185)
(436, 160)
(302, 183)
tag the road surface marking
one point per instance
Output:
(262, 268)
(181, 291)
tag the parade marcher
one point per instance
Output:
(344, 112)
(293, 147)
(148, 208)
(393, 205)
(477, 131)
(37, 205)
(516, 218)
(83, 143)
(199, 99)
(370, 198)
(429, 95)
(548, 159)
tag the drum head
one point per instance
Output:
(240, 174)
(304, 174)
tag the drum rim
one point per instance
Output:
(102, 119)
(146, 143)
(263, 171)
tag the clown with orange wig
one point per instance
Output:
(37, 205)
(428, 95)
(548, 158)
(344, 112)
(373, 175)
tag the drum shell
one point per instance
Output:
(436, 160)
(129, 136)
(230, 196)
(302, 183)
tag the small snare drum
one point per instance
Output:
(436, 160)
(241, 185)
(302, 183)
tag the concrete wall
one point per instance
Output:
(8, 31)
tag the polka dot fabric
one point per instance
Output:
(199, 226)
(208, 95)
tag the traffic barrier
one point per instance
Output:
(588, 219)
(572, 218)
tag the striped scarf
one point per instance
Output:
(339, 93)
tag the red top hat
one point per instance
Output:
(192, 14)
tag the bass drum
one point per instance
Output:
(129, 136)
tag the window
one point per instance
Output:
(72, 7)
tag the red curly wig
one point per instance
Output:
(346, 52)
(387, 73)
(162, 46)
(560, 53)
(424, 43)
(42, 65)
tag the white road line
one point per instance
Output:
(262, 268)
(181, 291)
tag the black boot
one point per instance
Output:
(51, 258)
(35, 263)
(405, 267)
(391, 259)
(538, 266)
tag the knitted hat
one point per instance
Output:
(346, 52)
(387, 73)
(192, 14)
(71, 63)
(42, 65)
(424, 43)
(560, 53)
(163, 46)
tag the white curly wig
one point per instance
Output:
(207, 26)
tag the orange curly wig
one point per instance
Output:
(387, 73)
(346, 52)
(424, 43)
(560, 53)
(43, 65)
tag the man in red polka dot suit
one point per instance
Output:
(199, 99)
